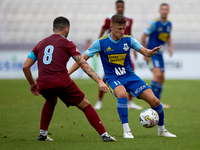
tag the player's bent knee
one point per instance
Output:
(155, 102)
(83, 104)
(121, 95)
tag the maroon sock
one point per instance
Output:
(130, 97)
(47, 113)
(100, 92)
(94, 119)
(100, 95)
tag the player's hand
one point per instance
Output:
(155, 50)
(103, 87)
(34, 89)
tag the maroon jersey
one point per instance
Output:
(52, 55)
(129, 22)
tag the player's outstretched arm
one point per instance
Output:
(147, 52)
(75, 66)
(27, 72)
(80, 62)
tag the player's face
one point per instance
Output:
(164, 11)
(117, 31)
(120, 8)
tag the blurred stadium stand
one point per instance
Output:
(25, 22)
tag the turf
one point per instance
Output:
(20, 116)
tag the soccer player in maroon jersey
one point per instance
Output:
(119, 10)
(52, 55)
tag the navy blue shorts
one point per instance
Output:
(156, 61)
(133, 84)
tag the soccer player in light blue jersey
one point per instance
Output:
(114, 50)
(120, 8)
(159, 31)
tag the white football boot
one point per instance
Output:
(166, 133)
(98, 105)
(128, 135)
(132, 105)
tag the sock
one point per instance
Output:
(43, 132)
(94, 119)
(122, 108)
(47, 113)
(100, 92)
(160, 112)
(105, 133)
(126, 127)
(161, 128)
(130, 97)
(156, 88)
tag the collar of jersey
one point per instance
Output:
(163, 22)
(113, 40)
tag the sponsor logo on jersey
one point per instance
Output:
(117, 58)
(108, 49)
(163, 36)
(126, 48)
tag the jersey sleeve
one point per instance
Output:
(135, 44)
(34, 52)
(92, 50)
(170, 29)
(150, 28)
(106, 24)
(72, 49)
(32, 56)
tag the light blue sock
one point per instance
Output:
(122, 108)
(156, 88)
(160, 112)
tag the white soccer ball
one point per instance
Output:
(149, 118)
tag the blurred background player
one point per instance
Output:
(106, 28)
(52, 55)
(158, 31)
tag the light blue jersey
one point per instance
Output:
(115, 55)
(158, 33)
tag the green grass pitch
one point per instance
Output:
(20, 116)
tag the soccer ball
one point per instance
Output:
(149, 118)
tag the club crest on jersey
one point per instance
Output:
(77, 49)
(168, 28)
(126, 48)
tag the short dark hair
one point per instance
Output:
(119, 1)
(164, 4)
(118, 19)
(60, 23)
